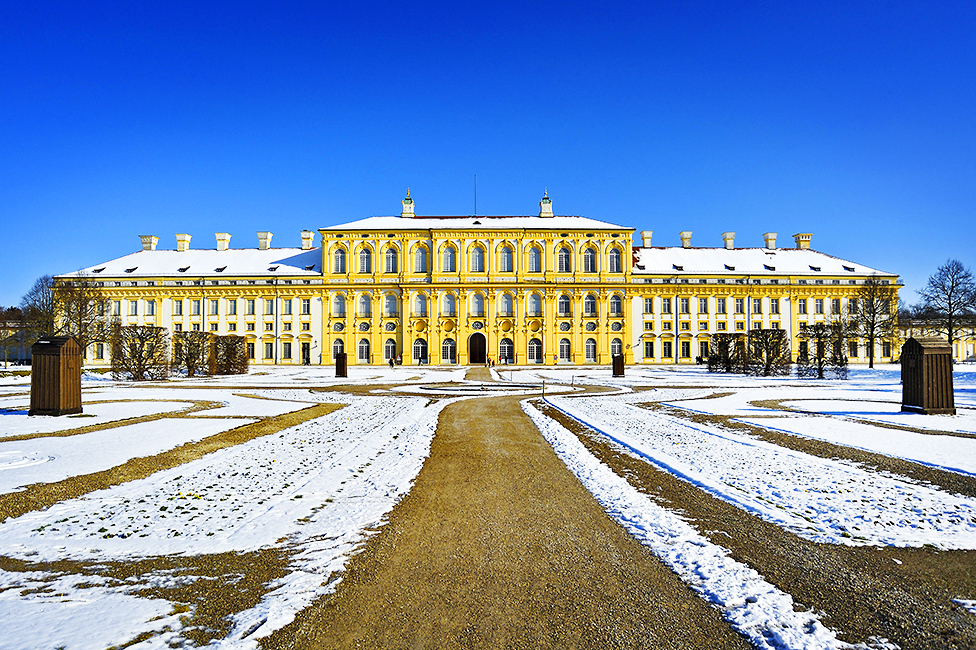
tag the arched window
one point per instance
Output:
(616, 347)
(390, 305)
(449, 351)
(505, 307)
(616, 305)
(391, 260)
(420, 260)
(506, 351)
(338, 347)
(477, 305)
(420, 350)
(448, 305)
(365, 305)
(590, 350)
(615, 261)
(535, 260)
(565, 350)
(535, 304)
(420, 305)
(364, 350)
(450, 260)
(505, 259)
(389, 350)
(339, 261)
(338, 305)
(589, 261)
(477, 260)
(589, 305)
(365, 260)
(564, 260)
(564, 305)
(535, 351)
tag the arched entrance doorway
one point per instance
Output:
(477, 348)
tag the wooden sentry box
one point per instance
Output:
(926, 376)
(55, 376)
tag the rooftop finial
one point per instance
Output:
(408, 208)
(545, 205)
(408, 192)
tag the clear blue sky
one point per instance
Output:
(856, 124)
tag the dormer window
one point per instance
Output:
(220, 269)
(131, 270)
(310, 267)
(677, 268)
(99, 270)
(729, 268)
(814, 268)
(272, 268)
(849, 269)
(183, 269)
(768, 267)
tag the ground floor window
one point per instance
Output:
(449, 351)
(589, 350)
(420, 350)
(666, 351)
(616, 347)
(648, 349)
(286, 350)
(686, 349)
(364, 350)
(535, 351)
(703, 349)
(338, 347)
(269, 350)
(886, 348)
(389, 349)
(565, 350)
(250, 351)
(99, 350)
(506, 351)
(852, 348)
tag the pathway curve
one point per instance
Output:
(499, 546)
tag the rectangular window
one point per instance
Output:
(178, 327)
(686, 349)
(133, 308)
(648, 327)
(852, 308)
(250, 307)
(685, 306)
(665, 305)
(703, 350)
(818, 306)
(774, 305)
(852, 348)
(666, 349)
(757, 305)
(757, 325)
(195, 308)
(232, 307)
(666, 325)
(268, 327)
(886, 348)
(306, 306)
(648, 349)
(116, 307)
(286, 326)
(150, 308)
(269, 350)
(774, 325)
(685, 326)
(648, 305)
(306, 327)
(801, 306)
(213, 327)
(250, 351)
(100, 307)
(720, 306)
(99, 350)
(703, 305)
(196, 327)
(269, 306)
(286, 350)
(835, 306)
(740, 306)
(739, 326)
(231, 327)
(721, 326)
(250, 327)
(286, 306)
(214, 307)
(703, 326)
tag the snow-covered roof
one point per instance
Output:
(268, 262)
(743, 261)
(476, 223)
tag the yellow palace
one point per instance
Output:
(542, 289)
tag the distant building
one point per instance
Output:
(542, 289)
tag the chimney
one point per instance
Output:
(223, 241)
(264, 240)
(729, 239)
(149, 242)
(308, 240)
(770, 238)
(545, 205)
(802, 239)
(685, 238)
(408, 207)
(182, 242)
(646, 238)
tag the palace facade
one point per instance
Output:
(543, 289)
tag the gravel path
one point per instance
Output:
(499, 546)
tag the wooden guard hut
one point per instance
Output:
(926, 376)
(618, 365)
(55, 376)
(340, 365)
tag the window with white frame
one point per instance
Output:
(365, 305)
(505, 258)
(450, 260)
(420, 260)
(534, 260)
(616, 305)
(616, 265)
(589, 261)
(364, 350)
(390, 305)
(477, 260)
(565, 350)
(391, 260)
(339, 305)
(505, 305)
(365, 260)
(564, 305)
(339, 261)
(564, 260)
(535, 304)
(589, 305)
(448, 305)
(420, 305)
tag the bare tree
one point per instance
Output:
(872, 314)
(139, 352)
(822, 347)
(191, 351)
(80, 312)
(727, 353)
(228, 355)
(769, 353)
(38, 309)
(950, 297)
